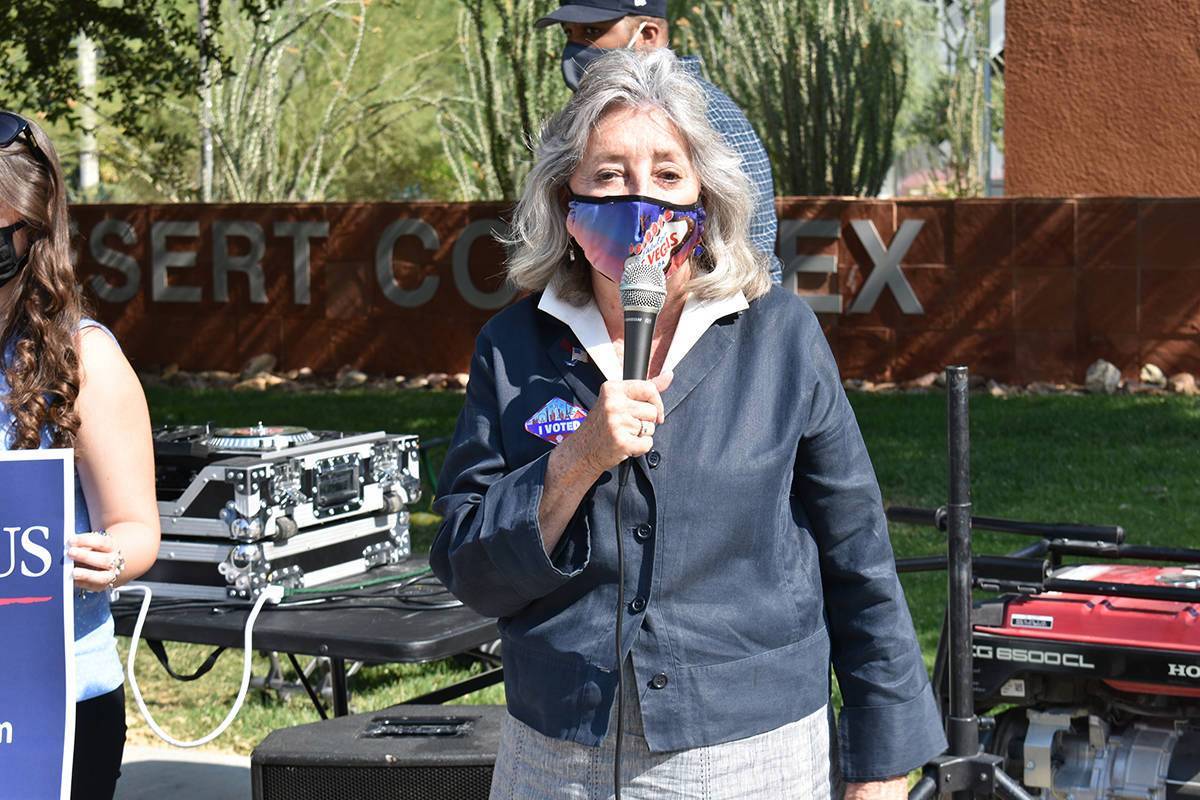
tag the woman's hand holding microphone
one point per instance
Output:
(620, 425)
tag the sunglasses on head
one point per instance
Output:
(12, 126)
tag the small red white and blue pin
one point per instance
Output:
(577, 354)
(555, 421)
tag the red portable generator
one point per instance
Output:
(1094, 695)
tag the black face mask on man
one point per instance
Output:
(10, 262)
(577, 57)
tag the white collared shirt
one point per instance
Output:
(588, 326)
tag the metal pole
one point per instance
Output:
(308, 687)
(206, 139)
(985, 55)
(341, 691)
(962, 725)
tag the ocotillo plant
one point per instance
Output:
(821, 80)
(513, 83)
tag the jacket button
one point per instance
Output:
(658, 681)
(638, 605)
(643, 532)
(653, 458)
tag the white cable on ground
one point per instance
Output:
(271, 594)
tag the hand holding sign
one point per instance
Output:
(98, 561)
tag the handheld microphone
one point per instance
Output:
(643, 292)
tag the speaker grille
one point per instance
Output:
(394, 783)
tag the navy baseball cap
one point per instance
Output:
(602, 11)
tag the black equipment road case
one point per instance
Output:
(242, 508)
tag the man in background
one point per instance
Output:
(593, 26)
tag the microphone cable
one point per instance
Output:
(622, 479)
(643, 289)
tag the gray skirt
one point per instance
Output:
(792, 761)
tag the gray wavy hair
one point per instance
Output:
(537, 240)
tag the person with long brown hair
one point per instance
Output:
(64, 382)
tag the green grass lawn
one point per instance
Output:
(1132, 461)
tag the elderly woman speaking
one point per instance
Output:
(755, 549)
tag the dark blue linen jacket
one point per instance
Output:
(756, 548)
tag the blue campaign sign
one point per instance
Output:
(37, 694)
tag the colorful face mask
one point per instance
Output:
(612, 230)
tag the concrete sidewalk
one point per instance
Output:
(171, 773)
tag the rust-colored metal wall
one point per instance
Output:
(1101, 97)
(1027, 289)
(161, 276)
(1018, 289)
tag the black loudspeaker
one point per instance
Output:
(399, 753)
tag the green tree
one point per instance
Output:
(822, 81)
(305, 92)
(149, 51)
(513, 82)
(297, 105)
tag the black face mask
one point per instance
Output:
(577, 57)
(10, 263)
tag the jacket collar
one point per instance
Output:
(696, 338)
(588, 326)
(697, 317)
